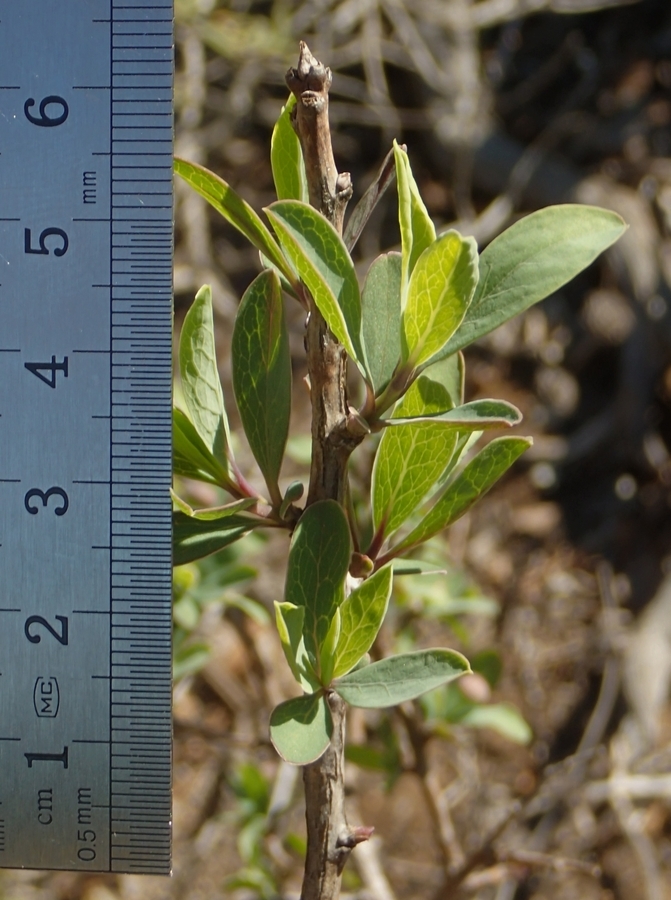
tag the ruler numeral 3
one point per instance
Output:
(44, 497)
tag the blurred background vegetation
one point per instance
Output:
(547, 774)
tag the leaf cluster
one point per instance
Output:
(404, 330)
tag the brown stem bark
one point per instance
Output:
(329, 838)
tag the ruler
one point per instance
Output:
(85, 434)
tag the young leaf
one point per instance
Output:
(261, 364)
(361, 617)
(400, 678)
(318, 562)
(477, 478)
(321, 259)
(193, 538)
(191, 458)
(417, 231)
(364, 208)
(286, 158)
(381, 312)
(200, 376)
(290, 620)
(301, 728)
(530, 260)
(440, 290)
(235, 210)
(411, 459)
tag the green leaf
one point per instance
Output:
(532, 259)
(476, 415)
(481, 473)
(321, 259)
(381, 311)
(440, 290)
(290, 620)
(400, 678)
(286, 158)
(261, 363)
(193, 538)
(301, 728)
(417, 231)
(200, 377)
(235, 210)
(411, 459)
(318, 563)
(191, 458)
(361, 617)
(503, 718)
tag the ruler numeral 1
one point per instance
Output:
(48, 757)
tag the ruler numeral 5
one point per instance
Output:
(42, 249)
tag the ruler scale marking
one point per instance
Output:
(97, 111)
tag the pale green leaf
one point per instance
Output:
(410, 459)
(381, 310)
(440, 290)
(301, 728)
(290, 620)
(200, 377)
(215, 512)
(235, 210)
(530, 260)
(481, 473)
(193, 538)
(417, 231)
(451, 373)
(321, 259)
(476, 415)
(319, 558)
(361, 617)
(503, 718)
(191, 458)
(327, 650)
(286, 158)
(261, 363)
(400, 678)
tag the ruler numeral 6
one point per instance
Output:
(44, 120)
(42, 249)
(61, 637)
(44, 497)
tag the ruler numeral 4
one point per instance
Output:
(39, 368)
